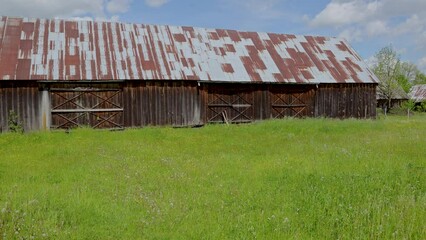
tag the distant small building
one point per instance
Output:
(418, 93)
(399, 96)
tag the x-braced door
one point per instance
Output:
(230, 105)
(86, 106)
(292, 103)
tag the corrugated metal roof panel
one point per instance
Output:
(39, 49)
(418, 93)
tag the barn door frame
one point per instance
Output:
(83, 104)
(230, 104)
(292, 101)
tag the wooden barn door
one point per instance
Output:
(291, 101)
(87, 106)
(230, 104)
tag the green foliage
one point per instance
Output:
(387, 69)
(13, 122)
(396, 78)
(420, 79)
(421, 107)
(288, 179)
(404, 83)
(409, 105)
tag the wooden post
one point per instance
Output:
(45, 113)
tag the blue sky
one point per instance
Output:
(368, 25)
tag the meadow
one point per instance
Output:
(278, 179)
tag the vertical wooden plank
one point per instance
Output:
(144, 108)
(170, 89)
(151, 102)
(373, 101)
(10, 100)
(125, 106)
(2, 113)
(136, 108)
(25, 105)
(34, 109)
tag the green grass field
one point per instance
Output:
(287, 179)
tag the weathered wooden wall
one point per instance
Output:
(24, 98)
(177, 103)
(240, 103)
(346, 101)
(174, 103)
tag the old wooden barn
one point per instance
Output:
(63, 74)
(418, 93)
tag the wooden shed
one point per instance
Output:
(66, 73)
(418, 93)
(399, 96)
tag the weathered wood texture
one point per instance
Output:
(238, 103)
(94, 105)
(175, 103)
(179, 103)
(291, 100)
(230, 103)
(346, 101)
(24, 99)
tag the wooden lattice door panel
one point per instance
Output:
(291, 104)
(230, 105)
(77, 107)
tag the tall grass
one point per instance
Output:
(287, 179)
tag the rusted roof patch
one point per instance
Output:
(41, 49)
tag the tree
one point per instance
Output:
(409, 71)
(407, 75)
(409, 105)
(404, 82)
(420, 78)
(388, 69)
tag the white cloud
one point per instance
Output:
(118, 6)
(63, 8)
(376, 28)
(387, 21)
(346, 12)
(352, 35)
(339, 13)
(51, 8)
(414, 26)
(156, 3)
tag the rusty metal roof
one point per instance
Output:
(42, 49)
(418, 93)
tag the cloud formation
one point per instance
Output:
(368, 18)
(393, 21)
(346, 12)
(100, 9)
